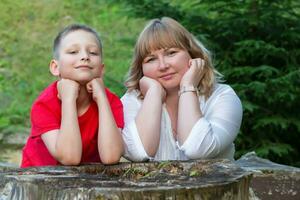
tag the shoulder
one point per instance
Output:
(48, 95)
(131, 97)
(112, 97)
(225, 94)
(223, 102)
(46, 111)
(134, 94)
(221, 90)
(110, 93)
(222, 93)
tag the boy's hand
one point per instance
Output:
(96, 87)
(147, 84)
(67, 89)
(194, 74)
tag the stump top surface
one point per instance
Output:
(201, 173)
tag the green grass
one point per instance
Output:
(27, 29)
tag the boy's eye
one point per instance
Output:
(94, 53)
(72, 52)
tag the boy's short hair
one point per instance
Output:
(69, 29)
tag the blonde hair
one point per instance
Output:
(167, 33)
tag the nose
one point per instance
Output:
(163, 64)
(84, 55)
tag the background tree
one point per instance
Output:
(256, 46)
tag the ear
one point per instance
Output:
(53, 66)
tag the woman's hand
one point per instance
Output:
(67, 89)
(194, 74)
(148, 84)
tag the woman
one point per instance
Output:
(175, 108)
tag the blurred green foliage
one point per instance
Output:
(27, 30)
(255, 44)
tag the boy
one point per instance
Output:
(75, 119)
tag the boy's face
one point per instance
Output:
(79, 57)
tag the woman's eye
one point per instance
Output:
(171, 52)
(147, 60)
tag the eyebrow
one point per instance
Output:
(149, 55)
(75, 45)
(164, 50)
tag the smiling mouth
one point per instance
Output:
(167, 76)
(83, 67)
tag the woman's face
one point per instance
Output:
(167, 66)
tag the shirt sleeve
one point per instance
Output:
(218, 127)
(134, 149)
(116, 108)
(43, 119)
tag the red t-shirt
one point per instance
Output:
(46, 116)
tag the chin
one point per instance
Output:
(171, 87)
(83, 81)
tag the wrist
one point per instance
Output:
(188, 88)
(100, 97)
(156, 92)
(69, 99)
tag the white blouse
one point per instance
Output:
(212, 135)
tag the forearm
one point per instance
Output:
(110, 143)
(148, 122)
(68, 145)
(188, 114)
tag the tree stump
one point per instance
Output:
(271, 181)
(200, 179)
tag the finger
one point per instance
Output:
(202, 63)
(190, 63)
(58, 88)
(58, 83)
(198, 62)
(201, 71)
(89, 87)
